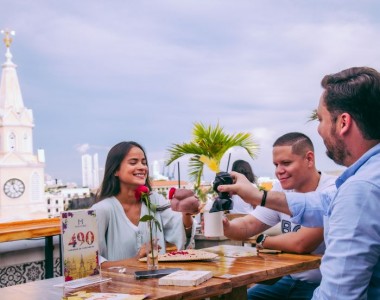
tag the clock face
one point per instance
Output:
(14, 188)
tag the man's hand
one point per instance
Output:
(227, 228)
(184, 200)
(244, 188)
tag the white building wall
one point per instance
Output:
(87, 178)
(95, 183)
(90, 171)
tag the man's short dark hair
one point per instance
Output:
(300, 142)
(357, 92)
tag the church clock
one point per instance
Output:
(14, 188)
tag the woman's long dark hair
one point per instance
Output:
(111, 184)
(243, 167)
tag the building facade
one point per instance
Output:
(90, 171)
(163, 186)
(21, 171)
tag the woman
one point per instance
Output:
(121, 235)
(243, 167)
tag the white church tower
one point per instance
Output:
(21, 172)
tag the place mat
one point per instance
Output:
(232, 251)
(185, 255)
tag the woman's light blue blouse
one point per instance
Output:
(119, 238)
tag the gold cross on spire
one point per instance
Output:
(8, 39)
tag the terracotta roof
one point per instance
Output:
(160, 183)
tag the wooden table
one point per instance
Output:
(243, 271)
(231, 277)
(120, 283)
(46, 228)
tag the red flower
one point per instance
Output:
(171, 192)
(142, 189)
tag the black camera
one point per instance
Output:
(223, 201)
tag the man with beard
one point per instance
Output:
(294, 161)
(349, 123)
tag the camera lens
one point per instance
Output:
(223, 201)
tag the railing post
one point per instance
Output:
(49, 257)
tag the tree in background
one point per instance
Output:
(208, 146)
(313, 115)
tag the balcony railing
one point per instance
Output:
(20, 250)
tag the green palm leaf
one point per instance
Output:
(213, 143)
(313, 116)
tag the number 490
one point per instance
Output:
(81, 238)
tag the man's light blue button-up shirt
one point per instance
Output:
(351, 217)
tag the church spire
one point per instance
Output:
(8, 39)
(10, 92)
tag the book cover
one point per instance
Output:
(79, 244)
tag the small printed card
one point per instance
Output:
(185, 278)
(80, 245)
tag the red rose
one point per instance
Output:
(142, 189)
(171, 192)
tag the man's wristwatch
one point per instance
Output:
(260, 241)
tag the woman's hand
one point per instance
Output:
(143, 252)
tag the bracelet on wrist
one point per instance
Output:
(264, 198)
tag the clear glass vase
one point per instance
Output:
(152, 246)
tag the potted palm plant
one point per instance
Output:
(208, 146)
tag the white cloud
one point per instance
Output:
(83, 148)
(146, 71)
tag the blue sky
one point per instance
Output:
(99, 72)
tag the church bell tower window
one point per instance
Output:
(12, 142)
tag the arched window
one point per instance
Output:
(12, 141)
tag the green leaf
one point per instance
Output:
(146, 218)
(213, 143)
(158, 225)
(313, 116)
(152, 207)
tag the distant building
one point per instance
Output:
(90, 171)
(87, 170)
(61, 198)
(156, 172)
(163, 186)
(96, 174)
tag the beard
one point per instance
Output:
(336, 151)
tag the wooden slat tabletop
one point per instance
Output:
(242, 271)
(121, 283)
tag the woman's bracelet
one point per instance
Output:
(187, 228)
